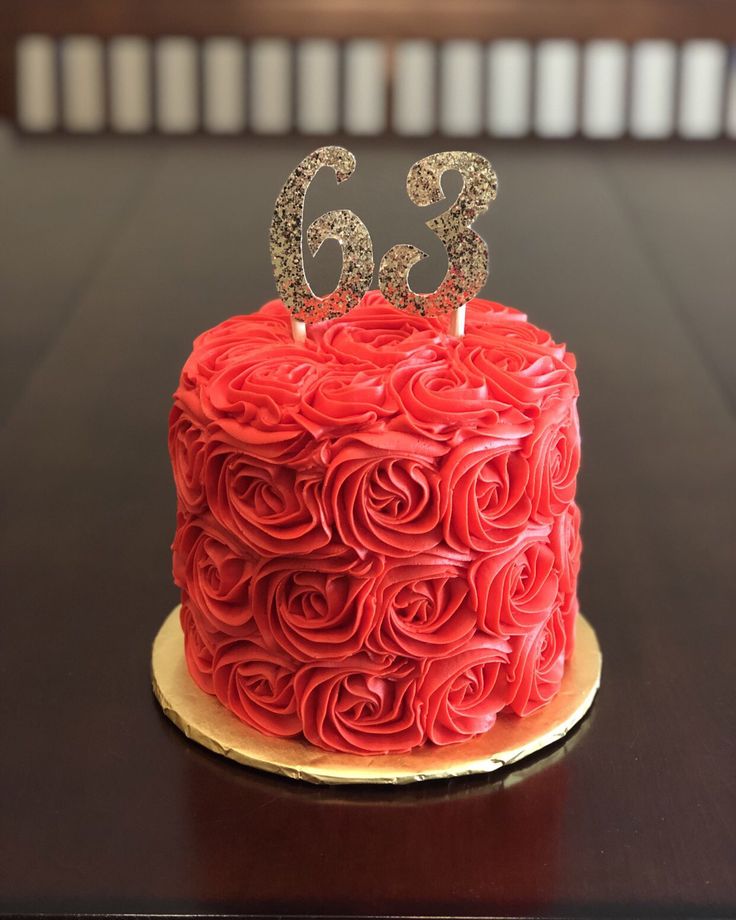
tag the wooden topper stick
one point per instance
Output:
(457, 321)
(298, 330)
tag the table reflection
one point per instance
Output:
(454, 845)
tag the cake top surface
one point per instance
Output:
(377, 368)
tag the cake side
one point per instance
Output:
(377, 541)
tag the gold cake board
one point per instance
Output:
(203, 719)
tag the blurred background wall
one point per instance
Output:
(505, 68)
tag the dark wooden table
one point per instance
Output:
(113, 256)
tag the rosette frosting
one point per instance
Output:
(377, 538)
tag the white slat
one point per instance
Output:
(130, 84)
(318, 86)
(509, 88)
(365, 86)
(730, 118)
(461, 88)
(604, 89)
(703, 72)
(177, 108)
(36, 83)
(556, 88)
(414, 78)
(82, 84)
(653, 89)
(223, 69)
(270, 86)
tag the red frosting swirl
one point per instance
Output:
(425, 608)
(313, 614)
(271, 508)
(375, 334)
(553, 451)
(515, 591)
(199, 647)
(187, 448)
(524, 368)
(485, 499)
(441, 394)
(256, 399)
(346, 398)
(215, 573)
(360, 705)
(227, 343)
(569, 609)
(481, 316)
(537, 664)
(382, 494)
(377, 541)
(461, 695)
(257, 684)
(567, 546)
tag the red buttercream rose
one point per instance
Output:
(537, 663)
(480, 314)
(269, 324)
(186, 450)
(553, 451)
(488, 320)
(363, 705)
(274, 509)
(375, 333)
(256, 400)
(346, 398)
(215, 573)
(257, 685)
(484, 495)
(314, 609)
(228, 343)
(569, 609)
(199, 648)
(462, 694)
(382, 493)
(522, 366)
(425, 608)
(515, 591)
(238, 337)
(567, 546)
(441, 397)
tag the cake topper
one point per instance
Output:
(344, 226)
(467, 252)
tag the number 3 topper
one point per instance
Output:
(467, 253)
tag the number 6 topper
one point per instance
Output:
(467, 252)
(344, 226)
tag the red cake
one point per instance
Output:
(377, 541)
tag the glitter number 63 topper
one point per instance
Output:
(467, 253)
